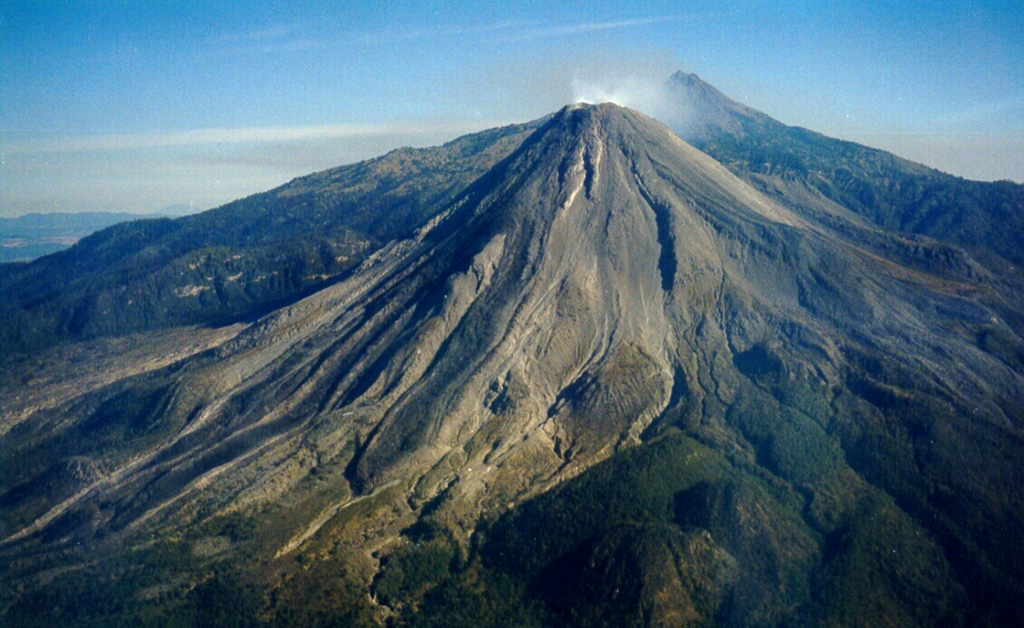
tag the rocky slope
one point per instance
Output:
(605, 382)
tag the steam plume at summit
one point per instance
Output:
(649, 95)
(644, 94)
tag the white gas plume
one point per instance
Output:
(646, 95)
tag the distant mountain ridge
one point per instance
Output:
(790, 163)
(33, 235)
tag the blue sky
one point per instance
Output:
(132, 106)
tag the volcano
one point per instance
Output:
(575, 370)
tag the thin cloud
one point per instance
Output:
(568, 30)
(293, 45)
(273, 32)
(514, 30)
(281, 38)
(201, 137)
(983, 111)
(413, 33)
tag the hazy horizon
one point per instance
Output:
(123, 108)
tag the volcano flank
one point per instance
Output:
(573, 371)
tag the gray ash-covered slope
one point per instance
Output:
(729, 410)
